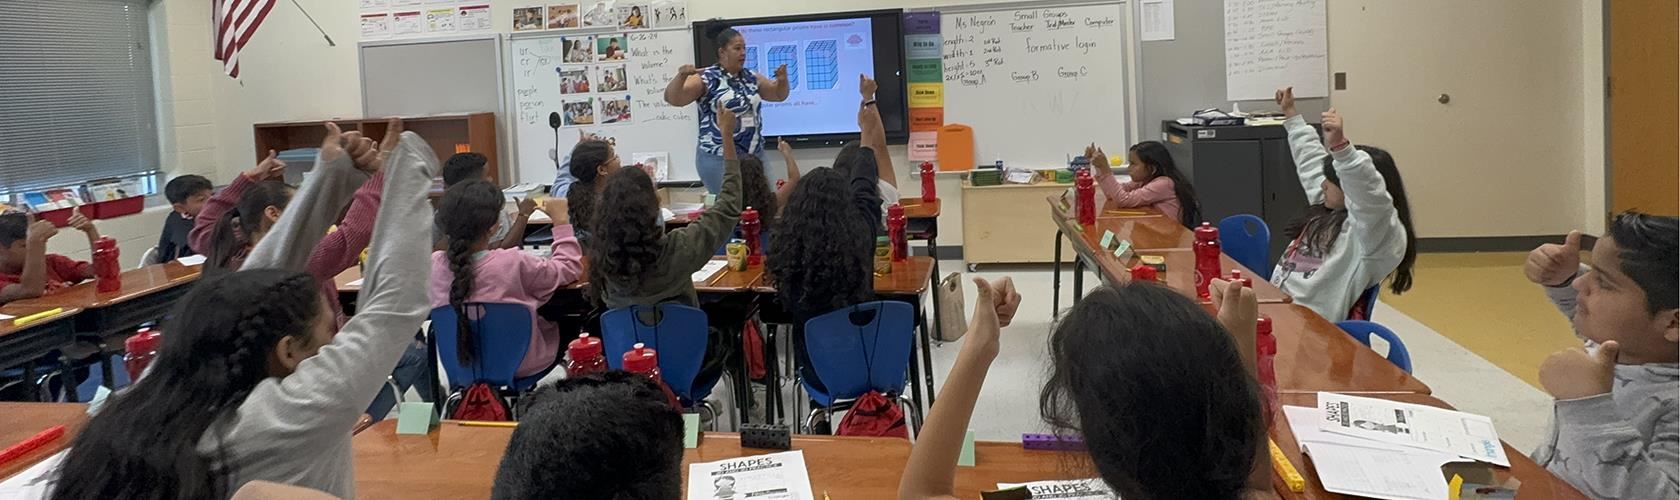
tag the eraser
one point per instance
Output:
(415, 418)
(691, 430)
(966, 459)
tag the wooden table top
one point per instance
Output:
(135, 283)
(389, 466)
(10, 326)
(1315, 355)
(1537, 482)
(1181, 274)
(915, 208)
(725, 281)
(908, 278)
(21, 421)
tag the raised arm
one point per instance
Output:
(866, 192)
(786, 189)
(1370, 208)
(685, 88)
(516, 233)
(775, 90)
(291, 244)
(1304, 146)
(203, 232)
(331, 389)
(81, 270)
(564, 264)
(872, 133)
(696, 243)
(33, 282)
(1239, 312)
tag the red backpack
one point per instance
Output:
(481, 403)
(873, 415)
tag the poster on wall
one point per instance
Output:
(670, 13)
(574, 80)
(613, 79)
(598, 13)
(579, 49)
(376, 26)
(407, 3)
(611, 47)
(578, 112)
(407, 23)
(473, 19)
(632, 16)
(528, 19)
(615, 109)
(440, 20)
(563, 16)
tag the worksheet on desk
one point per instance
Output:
(1467, 435)
(32, 482)
(777, 476)
(711, 268)
(1357, 466)
(1072, 489)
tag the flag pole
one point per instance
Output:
(317, 25)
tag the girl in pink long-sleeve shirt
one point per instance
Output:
(1156, 182)
(471, 271)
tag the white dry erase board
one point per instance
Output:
(1037, 82)
(546, 77)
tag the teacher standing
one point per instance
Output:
(739, 89)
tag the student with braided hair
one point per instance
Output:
(256, 381)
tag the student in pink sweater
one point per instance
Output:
(470, 270)
(1156, 182)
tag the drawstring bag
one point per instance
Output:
(481, 403)
(953, 322)
(874, 415)
(754, 350)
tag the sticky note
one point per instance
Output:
(1123, 250)
(709, 200)
(691, 430)
(1107, 239)
(966, 458)
(415, 418)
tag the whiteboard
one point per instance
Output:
(536, 64)
(1271, 44)
(1037, 84)
(398, 80)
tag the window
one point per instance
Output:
(76, 95)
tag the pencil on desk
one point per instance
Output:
(480, 423)
(37, 316)
(1286, 470)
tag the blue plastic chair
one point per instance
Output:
(1364, 330)
(1247, 240)
(503, 334)
(677, 332)
(858, 349)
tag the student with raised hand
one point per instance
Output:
(604, 436)
(1123, 360)
(1156, 182)
(1615, 429)
(871, 147)
(471, 269)
(1357, 230)
(256, 381)
(27, 271)
(510, 228)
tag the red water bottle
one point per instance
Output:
(106, 268)
(585, 356)
(644, 361)
(139, 351)
(1143, 273)
(1086, 189)
(750, 230)
(1266, 352)
(1207, 257)
(895, 233)
(928, 192)
(1236, 275)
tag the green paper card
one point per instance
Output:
(1107, 239)
(415, 418)
(691, 430)
(1124, 250)
(966, 459)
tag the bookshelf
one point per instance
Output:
(447, 134)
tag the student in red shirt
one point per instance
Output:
(26, 269)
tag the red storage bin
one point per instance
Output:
(114, 208)
(59, 217)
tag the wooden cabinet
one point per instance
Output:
(1010, 224)
(447, 134)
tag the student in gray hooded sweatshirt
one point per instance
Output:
(1614, 425)
(252, 382)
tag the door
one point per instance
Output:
(1643, 55)
(1506, 72)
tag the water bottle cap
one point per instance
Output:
(1263, 326)
(144, 341)
(584, 347)
(641, 359)
(895, 210)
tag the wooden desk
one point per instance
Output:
(909, 278)
(389, 466)
(1537, 482)
(1145, 233)
(915, 208)
(1315, 355)
(147, 294)
(1181, 274)
(20, 421)
(725, 281)
(21, 345)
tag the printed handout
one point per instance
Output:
(777, 476)
(1464, 434)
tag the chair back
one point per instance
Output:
(677, 332)
(1366, 307)
(1364, 330)
(1247, 240)
(860, 348)
(502, 334)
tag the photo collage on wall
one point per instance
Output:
(594, 80)
(584, 14)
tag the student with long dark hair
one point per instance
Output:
(1162, 393)
(605, 436)
(1156, 182)
(592, 162)
(471, 269)
(256, 381)
(1357, 231)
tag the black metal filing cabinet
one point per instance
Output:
(1240, 170)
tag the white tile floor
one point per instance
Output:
(1008, 403)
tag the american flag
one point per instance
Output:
(235, 22)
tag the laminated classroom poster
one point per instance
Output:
(440, 20)
(578, 112)
(669, 13)
(370, 5)
(1427, 427)
(657, 165)
(563, 16)
(376, 25)
(528, 19)
(615, 109)
(473, 19)
(407, 23)
(632, 16)
(1075, 489)
(777, 476)
(599, 13)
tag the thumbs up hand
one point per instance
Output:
(1552, 264)
(1575, 373)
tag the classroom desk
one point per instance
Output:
(1537, 482)
(146, 295)
(22, 345)
(1315, 355)
(921, 222)
(725, 281)
(389, 466)
(20, 421)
